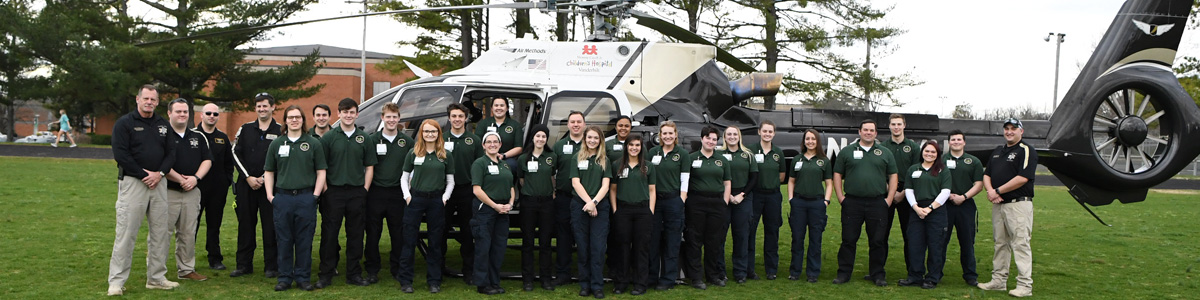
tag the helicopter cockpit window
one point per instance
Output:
(369, 116)
(598, 109)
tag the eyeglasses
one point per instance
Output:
(212, 113)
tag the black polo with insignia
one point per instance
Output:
(250, 147)
(1007, 163)
(191, 149)
(221, 173)
(142, 143)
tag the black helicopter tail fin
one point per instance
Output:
(1126, 124)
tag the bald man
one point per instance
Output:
(215, 186)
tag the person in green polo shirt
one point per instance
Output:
(672, 166)
(768, 202)
(870, 177)
(928, 188)
(590, 176)
(294, 175)
(385, 200)
(511, 131)
(463, 147)
(537, 168)
(633, 196)
(810, 186)
(426, 183)
(707, 212)
(745, 177)
(565, 150)
(351, 169)
(494, 197)
(905, 151)
(966, 181)
(615, 144)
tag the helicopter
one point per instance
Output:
(1119, 131)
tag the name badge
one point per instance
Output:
(284, 151)
(916, 174)
(625, 173)
(728, 156)
(858, 154)
(272, 136)
(618, 147)
(696, 163)
(450, 146)
(381, 149)
(419, 160)
(759, 158)
(491, 129)
(567, 149)
(950, 163)
(583, 165)
(657, 159)
(493, 169)
(799, 164)
(532, 166)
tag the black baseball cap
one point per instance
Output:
(1015, 123)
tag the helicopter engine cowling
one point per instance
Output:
(756, 85)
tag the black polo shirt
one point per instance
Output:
(142, 143)
(250, 147)
(1008, 162)
(221, 172)
(191, 149)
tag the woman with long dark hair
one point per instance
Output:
(927, 188)
(537, 169)
(633, 199)
(810, 187)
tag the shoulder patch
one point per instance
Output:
(359, 139)
(878, 152)
(304, 146)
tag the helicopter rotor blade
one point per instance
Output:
(683, 35)
(515, 5)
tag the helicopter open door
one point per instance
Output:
(599, 108)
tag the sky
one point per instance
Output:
(983, 53)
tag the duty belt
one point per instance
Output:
(294, 192)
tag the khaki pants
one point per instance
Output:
(183, 212)
(135, 202)
(1012, 227)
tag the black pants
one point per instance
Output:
(384, 203)
(296, 219)
(707, 225)
(537, 223)
(633, 223)
(807, 217)
(212, 202)
(903, 211)
(428, 207)
(458, 214)
(769, 208)
(666, 238)
(927, 235)
(251, 206)
(564, 234)
(490, 229)
(856, 211)
(591, 234)
(338, 203)
(739, 225)
(962, 217)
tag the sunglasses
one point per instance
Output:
(212, 113)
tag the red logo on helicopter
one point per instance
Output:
(589, 50)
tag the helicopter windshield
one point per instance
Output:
(599, 109)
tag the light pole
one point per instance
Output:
(1057, 55)
(362, 79)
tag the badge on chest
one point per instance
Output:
(760, 158)
(285, 151)
(381, 149)
(583, 165)
(657, 159)
(493, 169)
(532, 166)
(916, 174)
(419, 160)
(449, 146)
(858, 154)
(951, 164)
(697, 163)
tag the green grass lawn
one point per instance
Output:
(58, 223)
